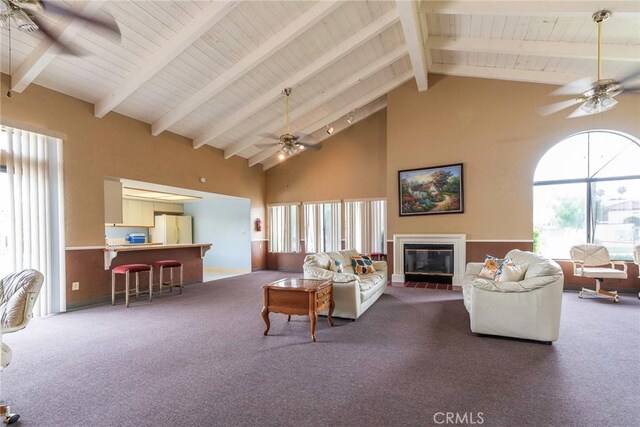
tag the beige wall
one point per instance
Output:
(350, 164)
(122, 147)
(491, 127)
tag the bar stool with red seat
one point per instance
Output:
(126, 269)
(170, 264)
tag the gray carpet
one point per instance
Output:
(200, 359)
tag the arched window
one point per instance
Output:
(587, 189)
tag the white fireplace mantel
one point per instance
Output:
(459, 242)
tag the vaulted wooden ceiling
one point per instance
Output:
(214, 71)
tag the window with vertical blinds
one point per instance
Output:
(365, 225)
(283, 228)
(323, 227)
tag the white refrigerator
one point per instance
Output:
(172, 229)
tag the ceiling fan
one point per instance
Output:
(289, 144)
(595, 97)
(29, 16)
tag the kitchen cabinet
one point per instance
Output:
(112, 201)
(137, 213)
(176, 208)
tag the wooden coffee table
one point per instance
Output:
(303, 297)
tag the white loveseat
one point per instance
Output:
(353, 294)
(528, 309)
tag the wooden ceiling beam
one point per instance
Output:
(307, 72)
(323, 98)
(46, 51)
(512, 74)
(167, 53)
(246, 64)
(529, 8)
(410, 20)
(610, 52)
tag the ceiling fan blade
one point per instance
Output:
(634, 88)
(269, 136)
(314, 147)
(110, 25)
(64, 47)
(558, 106)
(304, 137)
(575, 88)
(579, 112)
(629, 78)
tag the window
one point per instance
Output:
(587, 189)
(364, 225)
(323, 226)
(283, 228)
(31, 220)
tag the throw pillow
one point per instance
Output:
(336, 266)
(510, 272)
(491, 266)
(362, 264)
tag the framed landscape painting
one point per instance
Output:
(434, 190)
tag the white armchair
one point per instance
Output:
(18, 294)
(527, 309)
(592, 261)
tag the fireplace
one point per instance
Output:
(428, 263)
(440, 264)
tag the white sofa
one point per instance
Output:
(528, 309)
(353, 294)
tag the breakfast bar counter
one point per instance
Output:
(147, 253)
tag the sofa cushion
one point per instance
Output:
(344, 257)
(491, 267)
(511, 272)
(362, 264)
(336, 266)
(537, 265)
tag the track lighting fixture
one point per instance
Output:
(329, 130)
(350, 118)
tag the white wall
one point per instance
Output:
(226, 223)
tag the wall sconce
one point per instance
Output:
(329, 129)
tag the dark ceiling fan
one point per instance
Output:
(595, 97)
(29, 16)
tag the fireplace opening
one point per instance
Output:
(428, 263)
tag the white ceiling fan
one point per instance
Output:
(289, 144)
(595, 97)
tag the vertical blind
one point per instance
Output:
(283, 228)
(27, 163)
(323, 227)
(365, 222)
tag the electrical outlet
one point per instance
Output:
(75, 286)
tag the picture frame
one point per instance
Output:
(434, 190)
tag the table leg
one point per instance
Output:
(313, 319)
(289, 318)
(332, 305)
(265, 317)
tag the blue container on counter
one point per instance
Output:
(136, 238)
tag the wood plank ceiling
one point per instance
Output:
(214, 71)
